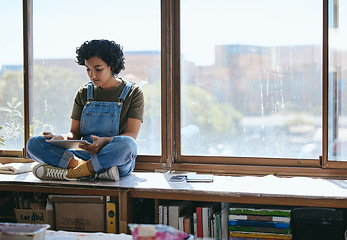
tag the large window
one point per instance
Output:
(338, 80)
(11, 77)
(231, 86)
(61, 26)
(251, 78)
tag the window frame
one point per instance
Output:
(171, 157)
(241, 165)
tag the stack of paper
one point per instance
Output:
(16, 168)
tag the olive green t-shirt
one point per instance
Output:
(133, 105)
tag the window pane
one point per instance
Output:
(337, 80)
(61, 26)
(251, 78)
(11, 76)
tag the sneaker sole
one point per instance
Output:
(114, 173)
(35, 169)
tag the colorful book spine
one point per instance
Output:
(199, 222)
(206, 222)
(187, 224)
(195, 225)
(267, 236)
(250, 238)
(260, 229)
(260, 218)
(259, 224)
(256, 211)
(161, 214)
(218, 234)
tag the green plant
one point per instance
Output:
(2, 140)
(13, 121)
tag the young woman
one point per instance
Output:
(107, 112)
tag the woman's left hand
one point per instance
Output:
(98, 144)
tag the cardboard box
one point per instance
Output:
(79, 213)
(35, 216)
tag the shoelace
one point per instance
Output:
(104, 175)
(56, 173)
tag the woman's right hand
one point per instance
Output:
(52, 136)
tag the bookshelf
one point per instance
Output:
(266, 190)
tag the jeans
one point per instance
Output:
(120, 151)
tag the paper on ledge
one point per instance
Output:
(59, 235)
(16, 168)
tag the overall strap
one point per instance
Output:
(90, 91)
(125, 91)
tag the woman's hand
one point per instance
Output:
(49, 135)
(98, 144)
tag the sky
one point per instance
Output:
(61, 26)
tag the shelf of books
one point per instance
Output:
(225, 220)
(259, 223)
(201, 219)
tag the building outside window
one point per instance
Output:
(251, 87)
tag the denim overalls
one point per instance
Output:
(100, 119)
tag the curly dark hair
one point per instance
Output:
(108, 51)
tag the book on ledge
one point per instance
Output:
(192, 177)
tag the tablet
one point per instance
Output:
(200, 178)
(68, 144)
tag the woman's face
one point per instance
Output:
(99, 72)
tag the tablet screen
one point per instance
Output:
(68, 144)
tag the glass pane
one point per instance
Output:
(337, 80)
(133, 24)
(11, 76)
(251, 78)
